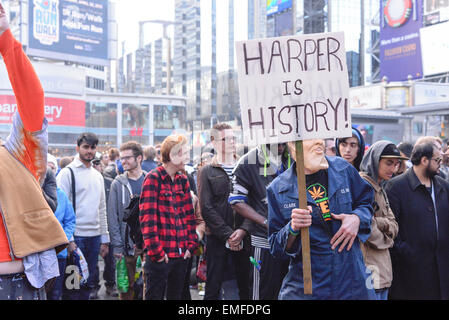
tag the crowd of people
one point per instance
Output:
(378, 215)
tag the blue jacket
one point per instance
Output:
(334, 275)
(66, 217)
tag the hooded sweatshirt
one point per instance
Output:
(355, 133)
(384, 227)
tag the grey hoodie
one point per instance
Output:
(370, 162)
(119, 198)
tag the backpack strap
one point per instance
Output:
(73, 189)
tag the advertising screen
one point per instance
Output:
(275, 6)
(69, 30)
(400, 48)
(434, 50)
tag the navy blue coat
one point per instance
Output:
(420, 255)
(334, 275)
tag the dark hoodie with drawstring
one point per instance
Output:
(355, 133)
(384, 227)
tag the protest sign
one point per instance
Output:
(293, 88)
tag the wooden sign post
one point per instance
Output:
(305, 240)
(294, 88)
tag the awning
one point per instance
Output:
(429, 109)
(378, 114)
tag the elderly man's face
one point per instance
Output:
(314, 151)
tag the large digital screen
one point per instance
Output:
(275, 6)
(69, 30)
(435, 49)
(400, 47)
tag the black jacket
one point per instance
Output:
(420, 255)
(214, 187)
(49, 189)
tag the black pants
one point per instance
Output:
(186, 289)
(217, 267)
(268, 281)
(164, 279)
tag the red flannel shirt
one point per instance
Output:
(167, 218)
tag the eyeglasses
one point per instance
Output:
(126, 158)
(228, 139)
(437, 160)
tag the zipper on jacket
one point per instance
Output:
(11, 254)
(229, 182)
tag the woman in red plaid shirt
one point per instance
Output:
(167, 222)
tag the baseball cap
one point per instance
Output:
(391, 151)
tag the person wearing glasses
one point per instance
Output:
(380, 163)
(227, 237)
(419, 199)
(123, 188)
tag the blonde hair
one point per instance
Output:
(169, 143)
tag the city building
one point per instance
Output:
(77, 81)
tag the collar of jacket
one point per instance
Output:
(165, 176)
(77, 161)
(373, 183)
(215, 162)
(336, 177)
(123, 178)
(415, 183)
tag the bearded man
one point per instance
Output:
(338, 217)
(419, 200)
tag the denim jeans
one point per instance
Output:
(56, 291)
(90, 247)
(17, 287)
(382, 294)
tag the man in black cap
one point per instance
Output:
(380, 163)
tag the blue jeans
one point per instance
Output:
(56, 291)
(90, 247)
(382, 294)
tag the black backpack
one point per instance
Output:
(131, 217)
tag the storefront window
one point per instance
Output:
(169, 117)
(101, 115)
(135, 123)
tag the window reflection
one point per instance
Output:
(101, 115)
(169, 117)
(135, 116)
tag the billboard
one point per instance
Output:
(58, 111)
(400, 48)
(69, 30)
(434, 49)
(283, 24)
(432, 5)
(275, 6)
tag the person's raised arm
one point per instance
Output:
(24, 81)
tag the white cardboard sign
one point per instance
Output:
(294, 88)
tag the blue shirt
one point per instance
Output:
(66, 217)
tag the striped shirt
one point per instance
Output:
(228, 169)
